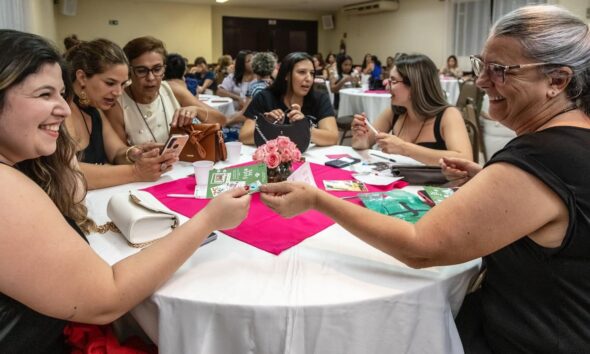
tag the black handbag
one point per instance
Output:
(299, 132)
(421, 175)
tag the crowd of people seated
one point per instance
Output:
(98, 115)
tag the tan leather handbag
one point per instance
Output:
(205, 142)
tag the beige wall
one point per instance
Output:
(184, 28)
(220, 11)
(41, 19)
(418, 26)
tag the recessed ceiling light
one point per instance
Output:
(220, 1)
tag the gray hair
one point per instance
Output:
(263, 63)
(551, 34)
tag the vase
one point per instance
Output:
(279, 173)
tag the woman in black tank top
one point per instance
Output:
(420, 123)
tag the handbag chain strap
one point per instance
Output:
(110, 226)
(260, 131)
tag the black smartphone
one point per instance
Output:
(342, 162)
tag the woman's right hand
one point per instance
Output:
(455, 168)
(151, 165)
(276, 116)
(228, 209)
(359, 126)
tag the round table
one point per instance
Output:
(332, 293)
(451, 87)
(222, 104)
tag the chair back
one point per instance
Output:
(472, 125)
(470, 93)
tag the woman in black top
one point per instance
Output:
(345, 77)
(527, 212)
(290, 98)
(420, 123)
(50, 275)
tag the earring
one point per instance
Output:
(84, 101)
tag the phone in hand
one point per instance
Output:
(342, 162)
(175, 143)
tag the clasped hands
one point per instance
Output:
(278, 116)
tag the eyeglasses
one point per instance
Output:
(143, 71)
(496, 72)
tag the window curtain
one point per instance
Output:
(12, 14)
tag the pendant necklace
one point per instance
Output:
(149, 113)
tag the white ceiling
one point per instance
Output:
(307, 5)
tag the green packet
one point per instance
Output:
(221, 180)
(438, 194)
(396, 203)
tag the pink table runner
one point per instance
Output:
(377, 91)
(263, 228)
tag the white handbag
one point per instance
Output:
(140, 217)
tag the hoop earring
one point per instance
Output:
(84, 101)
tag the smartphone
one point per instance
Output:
(212, 237)
(342, 162)
(175, 143)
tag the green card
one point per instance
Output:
(397, 203)
(225, 179)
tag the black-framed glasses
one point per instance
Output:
(496, 72)
(143, 71)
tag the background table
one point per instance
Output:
(356, 100)
(223, 104)
(332, 293)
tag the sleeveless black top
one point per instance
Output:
(536, 299)
(94, 152)
(23, 330)
(439, 143)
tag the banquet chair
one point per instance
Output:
(345, 125)
(470, 93)
(473, 130)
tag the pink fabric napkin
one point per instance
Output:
(263, 228)
(376, 91)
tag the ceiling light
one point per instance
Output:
(220, 1)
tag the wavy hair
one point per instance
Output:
(94, 57)
(56, 174)
(421, 75)
(263, 63)
(551, 34)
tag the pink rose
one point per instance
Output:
(271, 149)
(286, 156)
(283, 142)
(296, 155)
(272, 160)
(292, 146)
(259, 154)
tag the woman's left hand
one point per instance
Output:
(390, 144)
(288, 198)
(295, 113)
(184, 116)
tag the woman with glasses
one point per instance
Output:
(148, 107)
(50, 275)
(420, 123)
(99, 71)
(527, 212)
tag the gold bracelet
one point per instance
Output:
(127, 154)
(206, 116)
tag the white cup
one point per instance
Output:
(234, 149)
(202, 169)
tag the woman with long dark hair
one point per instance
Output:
(345, 77)
(291, 98)
(420, 123)
(236, 85)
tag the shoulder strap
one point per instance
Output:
(437, 123)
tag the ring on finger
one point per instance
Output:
(163, 166)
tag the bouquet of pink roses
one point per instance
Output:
(279, 151)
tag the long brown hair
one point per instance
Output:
(56, 174)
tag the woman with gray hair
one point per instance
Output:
(527, 212)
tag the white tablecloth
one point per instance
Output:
(332, 293)
(222, 104)
(356, 100)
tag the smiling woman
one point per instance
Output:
(50, 275)
(291, 98)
